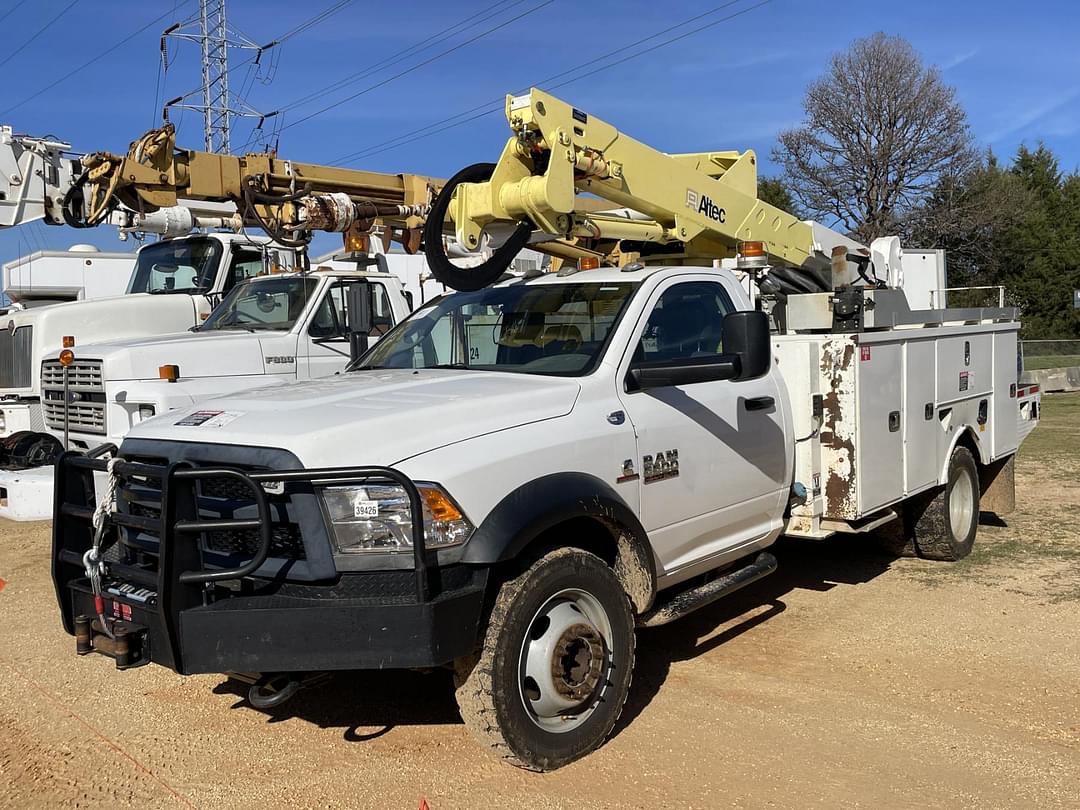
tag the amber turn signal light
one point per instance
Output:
(441, 507)
(169, 373)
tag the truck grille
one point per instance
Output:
(85, 378)
(218, 498)
(16, 357)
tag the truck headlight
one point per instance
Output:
(378, 518)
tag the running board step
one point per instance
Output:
(688, 601)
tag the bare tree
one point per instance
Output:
(881, 133)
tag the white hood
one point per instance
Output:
(369, 417)
(107, 318)
(212, 354)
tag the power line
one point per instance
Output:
(97, 58)
(12, 10)
(419, 65)
(424, 44)
(304, 26)
(496, 105)
(38, 33)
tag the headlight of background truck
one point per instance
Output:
(378, 518)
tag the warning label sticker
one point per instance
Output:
(208, 419)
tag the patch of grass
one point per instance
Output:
(1056, 441)
(1051, 361)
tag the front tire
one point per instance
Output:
(944, 524)
(554, 668)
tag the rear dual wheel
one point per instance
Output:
(554, 668)
(940, 524)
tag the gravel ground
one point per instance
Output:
(847, 679)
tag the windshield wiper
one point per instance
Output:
(450, 365)
(178, 291)
(223, 327)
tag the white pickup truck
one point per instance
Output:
(513, 479)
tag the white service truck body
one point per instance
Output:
(513, 478)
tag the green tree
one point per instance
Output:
(773, 191)
(1040, 250)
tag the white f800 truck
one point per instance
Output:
(172, 287)
(266, 331)
(521, 473)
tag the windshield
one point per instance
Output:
(181, 266)
(274, 303)
(558, 329)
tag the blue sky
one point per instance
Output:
(1016, 69)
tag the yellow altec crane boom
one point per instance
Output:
(699, 206)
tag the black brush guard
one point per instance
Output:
(191, 624)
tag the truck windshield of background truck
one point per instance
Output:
(182, 266)
(266, 304)
(557, 329)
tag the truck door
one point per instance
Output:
(327, 334)
(712, 456)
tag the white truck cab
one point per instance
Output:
(173, 286)
(512, 480)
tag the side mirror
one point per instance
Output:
(747, 356)
(664, 373)
(746, 335)
(358, 302)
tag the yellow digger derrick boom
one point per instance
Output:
(286, 198)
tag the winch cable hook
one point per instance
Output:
(468, 279)
(92, 559)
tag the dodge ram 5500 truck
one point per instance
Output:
(513, 479)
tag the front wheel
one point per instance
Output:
(554, 668)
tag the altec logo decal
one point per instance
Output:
(703, 205)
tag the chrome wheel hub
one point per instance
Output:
(961, 505)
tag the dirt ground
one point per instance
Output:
(847, 679)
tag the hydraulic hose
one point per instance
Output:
(467, 279)
(72, 207)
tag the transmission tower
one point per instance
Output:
(210, 30)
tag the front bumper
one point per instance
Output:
(177, 610)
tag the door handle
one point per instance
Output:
(759, 403)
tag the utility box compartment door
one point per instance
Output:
(1003, 417)
(880, 445)
(921, 428)
(964, 367)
